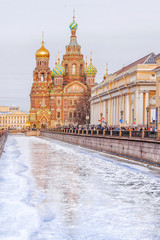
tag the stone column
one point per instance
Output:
(136, 115)
(113, 110)
(116, 111)
(146, 105)
(127, 109)
(109, 106)
(141, 108)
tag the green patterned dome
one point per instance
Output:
(90, 70)
(73, 25)
(58, 70)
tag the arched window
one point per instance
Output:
(58, 114)
(81, 69)
(42, 77)
(74, 69)
(66, 68)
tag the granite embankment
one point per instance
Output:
(3, 138)
(139, 149)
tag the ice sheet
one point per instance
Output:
(51, 190)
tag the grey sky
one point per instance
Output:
(117, 32)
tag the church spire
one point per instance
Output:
(86, 61)
(42, 38)
(90, 57)
(73, 15)
(58, 58)
(105, 76)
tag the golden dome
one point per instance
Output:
(42, 52)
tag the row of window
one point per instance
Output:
(13, 126)
(12, 118)
(74, 69)
(71, 102)
(39, 63)
(71, 115)
(9, 122)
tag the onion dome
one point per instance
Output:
(42, 52)
(90, 70)
(58, 70)
(73, 24)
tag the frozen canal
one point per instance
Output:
(51, 190)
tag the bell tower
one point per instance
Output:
(41, 87)
(73, 62)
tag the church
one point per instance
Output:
(54, 94)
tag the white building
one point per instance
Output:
(126, 94)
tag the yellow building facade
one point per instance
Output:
(124, 97)
(157, 72)
(13, 118)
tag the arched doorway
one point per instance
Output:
(43, 126)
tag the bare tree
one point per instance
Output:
(82, 108)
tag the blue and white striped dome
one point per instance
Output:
(73, 25)
(58, 70)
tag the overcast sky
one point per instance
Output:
(117, 32)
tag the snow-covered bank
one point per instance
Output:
(51, 190)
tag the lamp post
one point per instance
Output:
(107, 116)
(101, 115)
(147, 109)
(121, 112)
(87, 121)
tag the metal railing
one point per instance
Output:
(113, 133)
(125, 133)
(150, 134)
(137, 134)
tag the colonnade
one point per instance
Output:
(130, 107)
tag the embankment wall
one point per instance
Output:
(147, 150)
(2, 142)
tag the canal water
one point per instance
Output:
(50, 190)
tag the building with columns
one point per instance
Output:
(124, 97)
(54, 94)
(157, 72)
(12, 118)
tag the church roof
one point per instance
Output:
(73, 42)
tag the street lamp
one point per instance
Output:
(107, 117)
(122, 114)
(101, 114)
(87, 120)
(147, 109)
